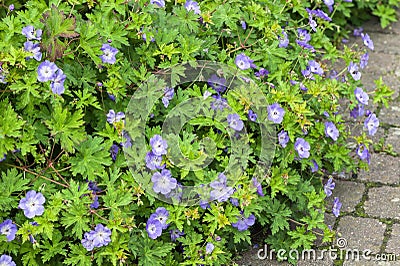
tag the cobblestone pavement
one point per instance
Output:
(370, 215)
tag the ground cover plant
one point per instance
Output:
(161, 132)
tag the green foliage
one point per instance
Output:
(90, 165)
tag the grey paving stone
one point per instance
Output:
(383, 168)
(383, 202)
(250, 258)
(390, 115)
(349, 194)
(394, 240)
(393, 139)
(361, 233)
(379, 65)
(386, 43)
(370, 262)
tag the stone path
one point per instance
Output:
(370, 215)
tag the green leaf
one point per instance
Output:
(279, 214)
(10, 127)
(386, 14)
(382, 93)
(302, 238)
(76, 217)
(153, 252)
(11, 181)
(52, 248)
(66, 127)
(91, 157)
(77, 256)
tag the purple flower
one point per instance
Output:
(92, 186)
(283, 138)
(364, 60)
(158, 145)
(113, 117)
(153, 161)
(303, 38)
(307, 73)
(8, 229)
(168, 95)
(357, 31)
(219, 102)
(312, 23)
(33, 48)
(32, 34)
(112, 97)
(252, 116)
(87, 242)
(95, 204)
(57, 83)
(99, 237)
(275, 113)
(371, 124)
(192, 6)
(314, 167)
(336, 207)
(243, 62)
(361, 96)
(3, 158)
(328, 187)
(243, 24)
(6, 260)
(329, 4)
(367, 41)
(218, 84)
(114, 151)
(204, 204)
(319, 13)
(315, 67)
(32, 204)
(221, 191)
(244, 223)
(160, 3)
(161, 215)
(234, 122)
(261, 73)
(128, 141)
(331, 130)
(302, 147)
(234, 201)
(153, 228)
(258, 186)
(109, 53)
(46, 71)
(353, 70)
(175, 234)
(363, 153)
(283, 40)
(163, 182)
(209, 248)
(206, 95)
(357, 111)
(11, 7)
